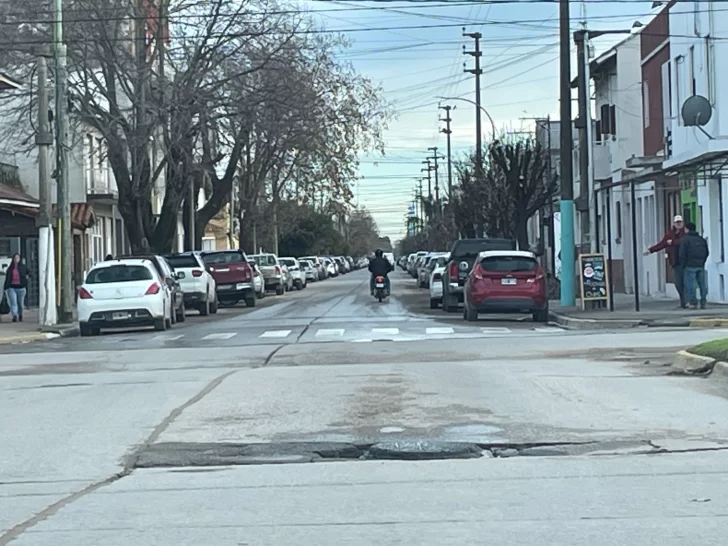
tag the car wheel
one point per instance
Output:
(447, 304)
(205, 308)
(160, 325)
(299, 285)
(86, 330)
(214, 305)
(172, 318)
(541, 315)
(250, 300)
(181, 314)
(280, 290)
(469, 314)
(434, 304)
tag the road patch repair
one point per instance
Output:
(181, 455)
(709, 358)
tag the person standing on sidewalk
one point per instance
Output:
(693, 253)
(670, 244)
(16, 285)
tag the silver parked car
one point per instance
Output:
(298, 277)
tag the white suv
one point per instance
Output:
(197, 284)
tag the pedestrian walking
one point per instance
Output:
(16, 285)
(693, 253)
(670, 243)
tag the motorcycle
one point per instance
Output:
(380, 288)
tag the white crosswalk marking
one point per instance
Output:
(385, 331)
(494, 330)
(168, 337)
(439, 331)
(219, 335)
(276, 333)
(333, 332)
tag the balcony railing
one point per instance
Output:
(98, 183)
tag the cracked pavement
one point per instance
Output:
(564, 437)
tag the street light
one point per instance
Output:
(492, 123)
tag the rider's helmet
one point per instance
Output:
(379, 253)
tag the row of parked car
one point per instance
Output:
(482, 275)
(158, 291)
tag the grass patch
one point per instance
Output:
(717, 349)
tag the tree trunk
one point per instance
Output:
(275, 225)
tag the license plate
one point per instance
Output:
(508, 281)
(380, 285)
(119, 316)
(226, 287)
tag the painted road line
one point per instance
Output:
(164, 337)
(548, 329)
(439, 331)
(219, 335)
(276, 333)
(385, 331)
(494, 330)
(332, 332)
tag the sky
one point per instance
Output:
(414, 50)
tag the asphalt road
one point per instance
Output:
(582, 437)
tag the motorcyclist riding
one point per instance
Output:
(379, 266)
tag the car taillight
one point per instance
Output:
(478, 273)
(247, 272)
(196, 273)
(537, 278)
(453, 270)
(437, 277)
(278, 270)
(153, 289)
(84, 294)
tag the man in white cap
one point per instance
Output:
(670, 244)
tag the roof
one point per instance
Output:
(125, 261)
(15, 196)
(497, 253)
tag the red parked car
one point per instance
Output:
(506, 281)
(233, 276)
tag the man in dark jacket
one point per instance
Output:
(693, 253)
(379, 266)
(670, 244)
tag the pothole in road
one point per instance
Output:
(232, 454)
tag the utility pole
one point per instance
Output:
(46, 259)
(422, 214)
(428, 170)
(568, 279)
(63, 212)
(448, 132)
(583, 124)
(477, 71)
(434, 159)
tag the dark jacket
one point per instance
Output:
(380, 266)
(670, 249)
(22, 269)
(693, 250)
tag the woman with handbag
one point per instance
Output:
(16, 285)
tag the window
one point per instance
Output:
(101, 175)
(97, 244)
(598, 132)
(183, 260)
(88, 161)
(223, 258)
(508, 264)
(678, 86)
(710, 68)
(613, 119)
(208, 243)
(646, 103)
(119, 273)
(691, 68)
(604, 115)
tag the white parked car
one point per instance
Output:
(436, 280)
(123, 293)
(198, 285)
(294, 269)
(309, 270)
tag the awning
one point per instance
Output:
(16, 197)
(82, 215)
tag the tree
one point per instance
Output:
(362, 232)
(516, 183)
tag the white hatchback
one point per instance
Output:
(123, 293)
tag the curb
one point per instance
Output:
(708, 322)
(44, 333)
(592, 324)
(692, 363)
(720, 369)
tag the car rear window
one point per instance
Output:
(182, 261)
(508, 264)
(265, 259)
(223, 258)
(118, 273)
(469, 247)
(287, 262)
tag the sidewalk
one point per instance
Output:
(653, 312)
(29, 330)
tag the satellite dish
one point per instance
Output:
(696, 111)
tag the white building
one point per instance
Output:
(696, 158)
